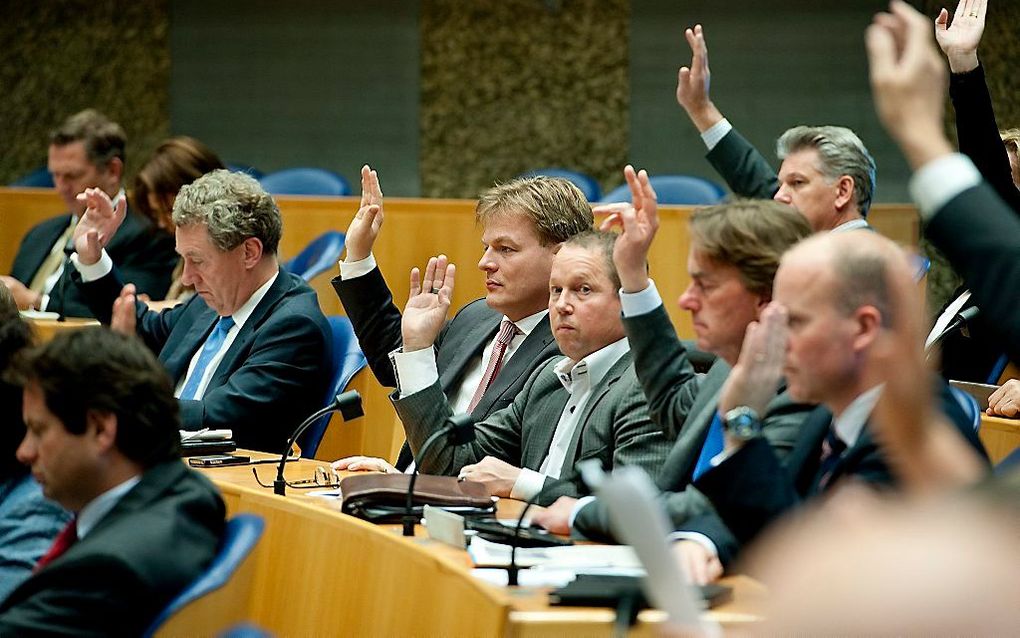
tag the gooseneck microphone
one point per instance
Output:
(349, 406)
(458, 430)
(959, 322)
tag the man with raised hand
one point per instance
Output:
(827, 173)
(735, 250)
(487, 351)
(587, 404)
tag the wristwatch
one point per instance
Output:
(742, 423)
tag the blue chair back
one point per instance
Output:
(39, 178)
(347, 358)
(318, 256)
(675, 189)
(306, 181)
(969, 405)
(1009, 464)
(241, 535)
(586, 183)
(996, 372)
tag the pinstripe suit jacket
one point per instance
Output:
(615, 427)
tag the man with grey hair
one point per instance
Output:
(86, 151)
(249, 351)
(827, 173)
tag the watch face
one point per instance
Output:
(743, 423)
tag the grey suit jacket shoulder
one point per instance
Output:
(614, 427)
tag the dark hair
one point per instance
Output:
(98, 369)
(15, 335)
(103, 138)
(176, 162)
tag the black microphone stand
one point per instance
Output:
(349, 406)
(959, 322)
(458, 429)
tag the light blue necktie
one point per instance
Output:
(713, 446)
(212, 345)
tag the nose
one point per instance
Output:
(783, 195)
(25, 452)
(188, 274)
(487, 263)
(689, 299)
(562, 304)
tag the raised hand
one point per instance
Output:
(639, 221)
(692, 86)
(123, 319)
(908, 80)
(97, 225)
(427, 304)
(754, 379)
(368, 220)
(959, 40)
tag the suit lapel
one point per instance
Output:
(176, 359)
(679, 464)
(597, 395)
(471, 346)
(519, 365)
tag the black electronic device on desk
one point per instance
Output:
(206, 442)
(492, 530)
(604, 590)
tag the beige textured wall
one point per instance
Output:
(60, 56)
(521, 84)
(1000, 56)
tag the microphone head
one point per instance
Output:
(349, 405)
(462, 429)
(968, 314)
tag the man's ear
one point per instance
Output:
(844, 192)
(252, 252)
(115, 167)
(869, 326)
(101, 427)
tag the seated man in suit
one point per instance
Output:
(523, 223)
(827, 173)
(735, 250)
(831, 292)
(250, 350)
(87, 151)
(28, 521)
(103, 442)
(586, 405)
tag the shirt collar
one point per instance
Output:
(527, 324)
(594, 366)
(100, 506)
(853, 224)
(241, 314)
(849, 424)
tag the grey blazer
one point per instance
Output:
(684, 407)
(615, 428)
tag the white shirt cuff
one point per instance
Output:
(714, 134)
(528, 484)
(360, 268)
(641, 302)
(940, 180)
(578, 506)
(697, 537)
(415, 370)
(97, 270)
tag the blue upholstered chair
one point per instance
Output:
(969, 405)
(39, 178)
(241, 535)
(675, 189)
(586, 183)
(306, 181)
(318, 256)
(347, 358)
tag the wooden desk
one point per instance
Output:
(1000, 436)
(46, 329)
(319, 572)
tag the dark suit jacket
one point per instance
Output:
(971, 355)
(271, 378)
(614, 428)
(144, 254)
(154, 542)
(753, 487)
(980, 235)
(683, 406)
(744, 169)
(376, 320)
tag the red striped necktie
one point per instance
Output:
(507, 331)
(67, 537)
